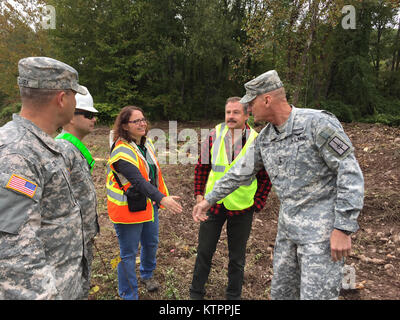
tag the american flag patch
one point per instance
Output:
(22, 185)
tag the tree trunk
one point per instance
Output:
(378, 51)
(396, 50)
(300, 74)
(293, 18)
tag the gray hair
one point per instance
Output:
(38, 96)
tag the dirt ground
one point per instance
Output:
(376, 246)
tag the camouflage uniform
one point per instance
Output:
(311, 164)
(41, 237)
(85, 193)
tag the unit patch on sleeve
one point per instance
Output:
(22, 185)
(338, 145)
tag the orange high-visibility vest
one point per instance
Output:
(117, 203)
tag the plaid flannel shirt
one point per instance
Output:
(202, 171)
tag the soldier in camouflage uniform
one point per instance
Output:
(80, 164)
(311, 164)
(41, 240)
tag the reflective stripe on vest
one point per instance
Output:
(117, 203)
(243, 197)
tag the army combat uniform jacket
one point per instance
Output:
(313, 170)
(41, 241)
(85, 193)
(83, 186)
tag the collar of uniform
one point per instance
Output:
(289, 126)
(39, 133)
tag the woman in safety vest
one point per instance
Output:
(135, 191)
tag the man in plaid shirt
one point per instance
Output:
(238, 221)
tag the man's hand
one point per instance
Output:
(340, 245)
(200, 211)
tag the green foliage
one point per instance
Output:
(107, 113)
(181, 59)
(341, 110)
(384, 105)
(386, 111)
(171, 291)
(387, 119)
(7, 112)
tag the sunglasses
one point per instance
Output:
(86, 114)
(137, 121)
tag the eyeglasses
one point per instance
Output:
(137, 121)
(86, 114)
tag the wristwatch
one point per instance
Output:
(347, 233)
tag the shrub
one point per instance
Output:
(387, 119)
(387, 106)
(108, 112)
(7, 112)
(341, 110)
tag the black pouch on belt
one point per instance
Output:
(137, 201)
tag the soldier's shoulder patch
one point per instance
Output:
(22, 185)
(339, 146)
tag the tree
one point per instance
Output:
(21, 35)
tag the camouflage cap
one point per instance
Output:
(48, 73)
(268, 81)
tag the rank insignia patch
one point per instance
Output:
(339, 146)
(22, 185)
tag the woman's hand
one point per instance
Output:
(170, 203)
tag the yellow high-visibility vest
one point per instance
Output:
(243, 197)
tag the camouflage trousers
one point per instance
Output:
(87, 270)
(305, 271)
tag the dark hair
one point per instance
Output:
(123, 118)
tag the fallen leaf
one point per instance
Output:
(114, 262)
(361, 285)
(94, 290)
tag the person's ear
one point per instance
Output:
(60, 98)
(267, 99)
